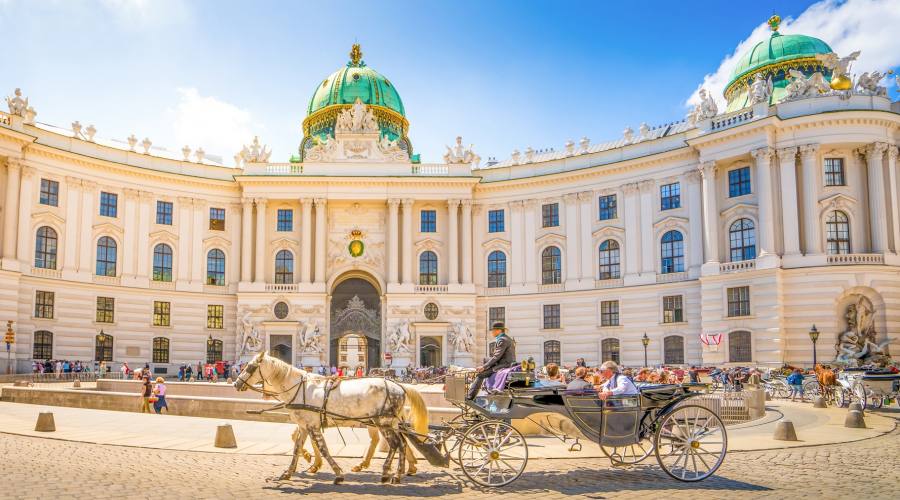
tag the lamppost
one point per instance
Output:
(10, 339)
(646, 341)
(814, 336)
(209, 344)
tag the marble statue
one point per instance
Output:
(310, 338)
(250, 340)
(76, 129)
(359, 119)
(146, 145)
(644, 130)
(760, 89)
(840, 68)
(89, 133)
(867, 83)
(256, 153)
(628, 135)
(583, 145)
(705, 110)
(200, 154)
(132, 142)
(461, 337)
(186, 151)
(801, 87)
(391, 149)
(461, 154)
(857, 346)
(30, 114)
(322, 150)
(400, 337)
(570, 147)
(17, 104)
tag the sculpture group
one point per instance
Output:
(858, 346)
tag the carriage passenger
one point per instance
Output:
(580, 383)
(616, 384)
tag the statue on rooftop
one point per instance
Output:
(359, 119)
(705, 110)
(801, 87)
(760, 89)
(840, 67)
(461, 154)
(17, 104)
(867, 83)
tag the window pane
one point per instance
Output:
(672, 253)
(673, 350)
(284, 267)
(607, 207)
(215, 317)
(837, 233)
(42, 345)
(551, 316)
(609, 260)
(550, 215)
(609, 350)
(217, 219)
(739, 347)
(428, 268)
(551, 352)
(45, 248)
(105, 309)
(609, 313)
(285, 220)
(164, 213)
(497, 269)
(43, 304)
(551, 266)
(496, 223)
(109, 204)
(49, 193)
(215, 267)
(106, 256)
(834, 172)
(739, 182)
(670, 196)
(162, 263)
(742, 240)
(161, 314)
(160, 350)
(428, 222)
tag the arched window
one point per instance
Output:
(45, 248)
(838, 233)
(551, 352)
(739, 348)
(428, 268)
(609, 350)
(496, 269)
(742, 240)
(551, 266)
(672, 253)
(106, 256)
(162, 262)
(609, 260)
(160, 350)
(215, 267)
(42, 345)
(103, 347)
(284, 267)
(673, 353)
(213, 351)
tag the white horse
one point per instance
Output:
(373, 400)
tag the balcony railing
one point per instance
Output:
(107, 280)
(493, 291)
(734, 267)
(855, 258)
(46, 273)
(282, 287)
(732, 119)
(671, 277)
(551, 287)
(610, 283)
(162, 285)
(432, 288)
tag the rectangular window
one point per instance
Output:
(109, 204)
(609, 313)
(834, 172)
(496, 314)
(49, 193)
(285, 219)
(164, 212)
(495, 221)
(217, 219)
(43, 304)
(160, 350)
(738, 301)
(550, 215)
(608, 209)
(106, 309)
(551, 316)
(428, 221)
(162, 313)
(673, 311)
(738, 182)
(215, 317)
(670, 196)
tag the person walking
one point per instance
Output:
(160, 392)
(181, 373)
(146, 391)
(504, 356)
(188, 373)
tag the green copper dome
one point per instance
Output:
(773, 57)
(352, 81)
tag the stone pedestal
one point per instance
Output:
(311, 360)
(401, 360)
(463, 359)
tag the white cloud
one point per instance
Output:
(220, 128)
(866, 25)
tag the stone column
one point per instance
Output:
(572, 263)
(453, 242)
(11, 211)
(812, 226)
(306, 242)
(391, 233)
(86, 229)
(183, 252)
(766, 227)
(234, 262)
(787, 163)
(466, 277)
(517, 250)
(25, 236)
(479, 232)
(321, 238)
(407, 249)
(586, 237)
(531, 217)
(198, 230)
(631, 209)
(695, 219)
(648, 246)
(260, 236)
(894, 191)
(246, 240)
(70, 241)
(143, 238)
(878, 208)
(131, 223)
(710, 212)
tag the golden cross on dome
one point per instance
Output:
(355, 54)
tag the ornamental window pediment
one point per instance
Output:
(278, 244)
(47, 217)
(838, 201)
(671, 222)
(496, 244)
(164, 236)
(108, 228)
(742, 209)
(216, 241)
(428, 244)
(607, 232)
(551, 239)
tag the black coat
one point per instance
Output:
(504, 355)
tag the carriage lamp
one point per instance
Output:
(814, 336)
(646, 341)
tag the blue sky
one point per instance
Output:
(504, 75)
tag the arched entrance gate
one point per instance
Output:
(355, 333)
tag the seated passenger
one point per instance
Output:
(616, 384)
(554, 377)
(580, 384)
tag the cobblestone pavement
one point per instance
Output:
(48, 468)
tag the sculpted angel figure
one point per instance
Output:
(839, 66)
(309, 338)
(760, 89)
(17, 105)
(868, 83)
(706, 109)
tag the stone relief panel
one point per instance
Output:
(356, 238)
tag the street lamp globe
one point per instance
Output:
(813, 334)
(645, 340)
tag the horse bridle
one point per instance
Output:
(241, 382)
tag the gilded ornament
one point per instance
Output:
(356, 248)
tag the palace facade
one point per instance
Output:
(721, 238)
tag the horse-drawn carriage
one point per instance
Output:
(870, 388)
(689, 440)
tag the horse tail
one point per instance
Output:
(418, 412)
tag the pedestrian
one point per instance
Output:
(58, 368)
(146, 391)
(181, 373)
(125, 370)
(188, 373)
(694, 376)
(795, 380)
(359, 371)
(160, 392)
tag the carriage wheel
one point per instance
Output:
(628, 455)
(876, 401)
(783, 390)
(493, 454)
(452, 440)
(811, 390)
(841, 397)
(859, 393)
(691, 443)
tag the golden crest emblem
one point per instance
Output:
(356, 246)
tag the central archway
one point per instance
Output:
(355, 312)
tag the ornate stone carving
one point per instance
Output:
(760, 89)
(16, 103)
(763, 154)
(646, 185)
(570, 147)
(132, 142)
(76, 129)
(876, 149)
(461, 337)
(310, 338)
(809, 150)
(251, 342)
(89, 133)
(892, 153)
(708, 169)
(461, 154)
(529, 155)
(867, 83)
(858, 345)
(787, 156)
(400, 337)
(200, 154)
(358, 119)
(801, 87)
(583, 145)
(357, 137)
(840, 67)
(705, 110)
(628, 135)
(186, 151)
(630, 188)
(255, 153)
(146, 145)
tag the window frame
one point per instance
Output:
(613, 347)
(742, 185)
(551, 316)
(105, 310)
(103, 347)
(838, 239)
(737, 301)
(670, 350)
(496, 269)
(40, 346)
(284, 220)
(215, 267)
(214, 351)
(736, 348)
(609, 260)
(492, 318)
(551, 265)
(832, 175)
(284, 267)
(109, 204)
(215, 316)
(162, 313)
(46, 248)
(609, 313)
(164, 211)
(550, 215)
(106, 265)
(673, 309)
(552, 352)
(607, 207)
(160, 350)
(670, 196)
(44, 304)
(428, 268)
(159, 270)
(216, 219)
(428, 220)
(673, 263)
(496, 220)
(744, 237)
(49, 193)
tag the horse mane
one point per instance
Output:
(282, 370)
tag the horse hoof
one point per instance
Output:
(411, 472)
(284, 477)
(357, 468)
(385, 479)
(395, 480)
(339, 480)
(313, 470)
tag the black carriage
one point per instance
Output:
(688, 438)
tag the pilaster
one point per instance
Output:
(812, 230)
(787, 163)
